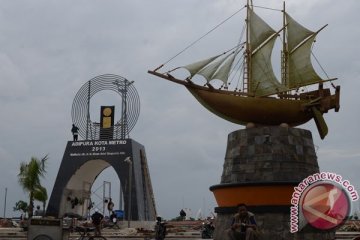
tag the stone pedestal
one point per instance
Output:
(262, 166)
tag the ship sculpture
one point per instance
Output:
(262, 99)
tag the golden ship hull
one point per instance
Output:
(241, 109)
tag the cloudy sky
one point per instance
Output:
(49, 49)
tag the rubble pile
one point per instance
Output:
(6, 223)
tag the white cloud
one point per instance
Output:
(13, 84)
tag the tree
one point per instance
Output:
(41, 195)
(29, 178)
(21, 206)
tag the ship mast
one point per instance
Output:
(247, 69)
(284, 65)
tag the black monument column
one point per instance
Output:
(83, 161)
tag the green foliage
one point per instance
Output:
(41, 195)
(29, 179)
(21, 206)
(180, 218)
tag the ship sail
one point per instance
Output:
(210, 70)
(194, 68)
(263, 81)
(217, 67)
(223, 72)
(259, 30)
(300, 40)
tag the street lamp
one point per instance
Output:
(5, 202)
(128, 160)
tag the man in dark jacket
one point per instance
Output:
(97, 219)
(243, 226)
(75, 132)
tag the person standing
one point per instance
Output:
(75, 132)
(97, 219)
(182, 214)
(160, 229)
(110, 206)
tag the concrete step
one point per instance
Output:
(17, 233)
(346, 235)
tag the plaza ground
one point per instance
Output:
(183, 230)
